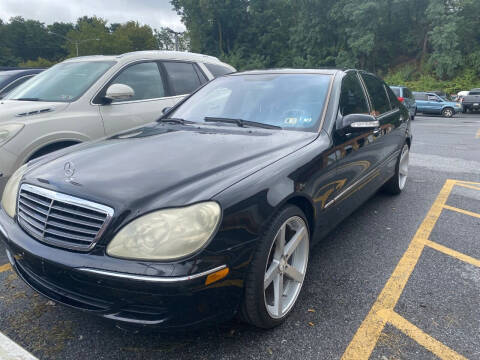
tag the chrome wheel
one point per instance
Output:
(286, 267)
(403, 167)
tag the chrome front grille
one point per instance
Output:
(61, 220)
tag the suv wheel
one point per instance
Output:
(447, 112)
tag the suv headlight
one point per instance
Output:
(9, 198)
(9, 131)
(167, 234)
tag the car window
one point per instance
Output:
(352, 97)
(394, 102)
(420, 96)
(201, 75)
(14, 84)
(396, 91)
(218, 70)
(408, 93)
(144, 79)
(378, 96)
(432, 98)
(182, 77)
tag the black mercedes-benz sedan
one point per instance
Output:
(212, 210)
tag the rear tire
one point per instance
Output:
(277, 271)
(397, 183)
(448, 112)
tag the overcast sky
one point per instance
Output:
(156, 13)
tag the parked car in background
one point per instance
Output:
(431, 103)
(10, 79)
(211, 211)
(90, 97)
(471, 102)
(406, 97)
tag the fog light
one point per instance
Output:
(217, 275)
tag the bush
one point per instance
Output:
(39, 63)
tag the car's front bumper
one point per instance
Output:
(93, 283)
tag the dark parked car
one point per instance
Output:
(471, 102)
(431, 103)
(406, 97)
(211, 210)
(10, 79)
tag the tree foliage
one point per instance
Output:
(437, 37)
(32, 43)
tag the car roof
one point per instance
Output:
(289, 71)
(151, 55)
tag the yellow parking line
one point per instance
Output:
(5, 267)
(453, 253)
(469, 186)
(428, 342)
(466, 212)
(367, 335)
(458, 182)
(478, 134)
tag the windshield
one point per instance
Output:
(289, 101)
(64, 82)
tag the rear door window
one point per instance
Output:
(378, 95)
(420, 96)
(182, 77)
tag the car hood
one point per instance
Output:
(24, 110)
(163, 165)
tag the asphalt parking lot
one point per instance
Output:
(399, 279)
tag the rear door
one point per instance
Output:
(151, 96)
(386, 109)
(421, 100)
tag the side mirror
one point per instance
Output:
(166, 110)
(357, 122)
(119, 92)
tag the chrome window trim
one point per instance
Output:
(153, 279)
(146, 100)
(56, 196)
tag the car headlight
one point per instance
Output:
(9, 131)
(9, 198)
(167, 234)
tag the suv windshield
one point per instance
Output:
(289, 101)
(64, 82)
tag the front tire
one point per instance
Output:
(397, 183)
(448, 112)
(277, 270)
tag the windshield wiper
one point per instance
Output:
(27, 99)
(241, 122)
(175, 121)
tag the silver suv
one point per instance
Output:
(91, 97)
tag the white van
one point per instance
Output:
(90, 97)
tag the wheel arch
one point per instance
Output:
(307, 207)
(51, 147)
